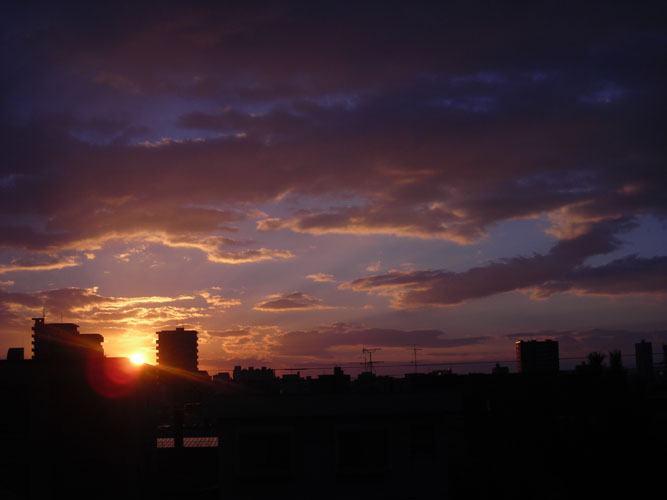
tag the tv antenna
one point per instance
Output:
(370, 356)
(414, 351)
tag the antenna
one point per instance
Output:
(414, 350)
(370, 356)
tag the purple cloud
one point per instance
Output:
(560, 270)
(294, 301)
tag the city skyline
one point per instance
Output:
(296, 183)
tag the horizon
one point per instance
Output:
(392, 368)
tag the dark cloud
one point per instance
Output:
(479, 96)
(430, 121)
(628, 275)
(320, 342)
(293, 301)
(560, 270)
(411, 171)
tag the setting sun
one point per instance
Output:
(137, 358)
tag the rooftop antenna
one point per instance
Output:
(414, 350)
(370, 356)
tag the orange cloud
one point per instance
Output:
(322, 278)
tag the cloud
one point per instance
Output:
(88, 307)
(375, 266)
(628, 275)
(562, 269)
(323, 342)
(392, 158)
(326, 342)
(322, 278)
(39, 262)
(219, 301)
(294, 301)
(229, 333)
(250, 255)
(359, 121)
(117, 82)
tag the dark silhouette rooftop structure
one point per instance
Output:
(644, 358)
(177, 349)
(15, 354)
(537, 356)
(62, 341)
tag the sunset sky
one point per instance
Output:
(298, 180)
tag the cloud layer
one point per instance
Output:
(561, 270)
(112, 314)
(256, 135)
(452, 144)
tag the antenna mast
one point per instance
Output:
(370, 356)
(414, 350)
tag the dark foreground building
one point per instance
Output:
(644, 359)
(74, 423)
(62, 341)
(177, 349)
(90, 426)
(537, 356)
(342, 446)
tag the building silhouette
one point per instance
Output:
(644, 358)
(62, 341)
(338, 446)
(500, 370)
(73, 418)
(15, 354)
(251, 374)
(537, 356)
(177, 349)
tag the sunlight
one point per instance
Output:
(137, 358)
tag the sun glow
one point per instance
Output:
(137, 358)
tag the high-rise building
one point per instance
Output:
(177, 349)
(62, 341)
(537, 356)
(644, 358)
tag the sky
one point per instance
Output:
(298, 181)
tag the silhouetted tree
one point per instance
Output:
(616, 369)
(595, 360)
(615, 360)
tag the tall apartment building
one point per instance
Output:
(537, 356)
(177, 349)
(644, 358)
